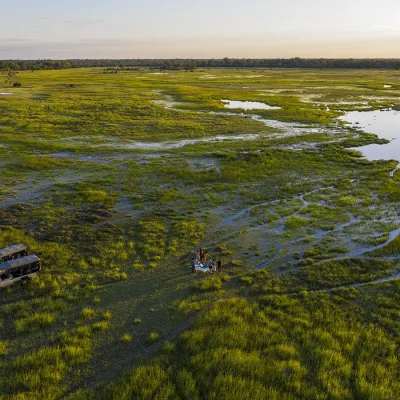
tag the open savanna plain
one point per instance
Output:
(114, 179)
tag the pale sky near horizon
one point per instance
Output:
(199, 29)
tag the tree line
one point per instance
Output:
(191, 64)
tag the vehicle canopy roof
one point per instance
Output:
(20, 262)
(12, 249)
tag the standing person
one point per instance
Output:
(201, 254)
(219, 265)
(193, 265)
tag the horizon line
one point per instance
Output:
(203, 58)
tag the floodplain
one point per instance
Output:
(115, 178)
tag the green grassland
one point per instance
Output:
(115, 179)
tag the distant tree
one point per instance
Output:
(10, 75)
(226, 61)
(190, 65)
(127, 64)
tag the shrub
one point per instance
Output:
(137, 321)
(145, 383)
(107, 315)
(186, 385)
(224, 278)
(94, 196)
(237, 263)
(137, 265)
(295, 221)
(347, 201)
(209, 284)
(100, 326)
(153, 337)
(34, 322)
(3, 348)
(115, 275)
(127, 338)
(41, 163)
(169, 347)
(83, 332)
(247, 280)
(88, 313)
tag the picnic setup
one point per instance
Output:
(200, 263)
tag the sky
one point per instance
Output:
(199, 29)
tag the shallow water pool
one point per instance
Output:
(248, 105)
(385, 124)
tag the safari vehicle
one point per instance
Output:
(20, 270)
(13, 252)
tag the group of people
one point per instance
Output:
(199, 262)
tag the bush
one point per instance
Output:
(83, 332)
(153, 337)
(237, 263)
(127, 338)
(186, 385)
(145, 383)
(209, 284)
(295, 222)
(88, 313)
(107, 315)
(35, 322)
(100, 326)
(247, 280)
(3, 348)
(168, 347)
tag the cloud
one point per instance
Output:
(81, 22)
(93, 21)
(388, 28)
(102, 42)
(373, 31)
(14, 40)
(256, 47)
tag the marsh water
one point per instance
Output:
(186, 142)
(385, 124)
(248, 105)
